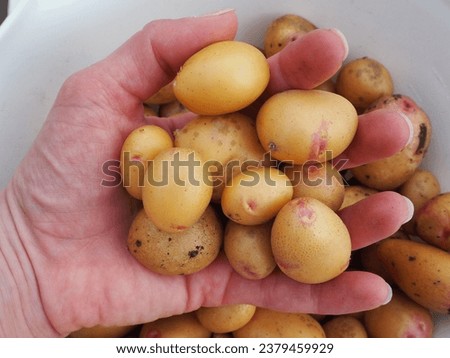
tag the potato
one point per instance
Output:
(267, 323)
(371, 262)
(420, 188)
(391, 172)
(256, 195)
(164, 95)
(433, 221)
(228, 143)
(344, 327)
(328, 86)
(180, 253)
(226, 318)
(171, 109)
(149, 112)
(400, 318)
(356, 193)
(421, 271)
(176, 189)
(283, 30)
(325, 123)
(179, 326)
(248, 249)
(140, 147)
(310, 242)
(363, 81)
(318, 180)
(100, 331)
(221, 78)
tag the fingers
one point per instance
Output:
(380, 134)
(308, 61)
(349, 292)
(377, 217)
(148, 60)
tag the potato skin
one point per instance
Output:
(100, 331)
(248, 249)
(141, 145)
(176, 191)
(433, 221)
(267, 323)
(391, 172)
(226, 318)
(400, 318)
(317, 180)
(283, 30)
(325, 125)
(420, 270)
(223, 77)
(179, 253)
(163, 96)
(256, 195)
(179, 326)
(310, 242)
(356, 193)
(363, 81)
(344, 327)
(420, 188)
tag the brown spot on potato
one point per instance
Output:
(411, 258)
(423, 132)
(138, 243)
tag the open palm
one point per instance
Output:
(74, 229)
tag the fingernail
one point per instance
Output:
(410, 205)
(217, 13)
(344, 41)
(389, 295)
(411, 128)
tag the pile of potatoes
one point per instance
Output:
(242, 185)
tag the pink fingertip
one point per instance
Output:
(343, 40)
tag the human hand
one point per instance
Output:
(64, 246)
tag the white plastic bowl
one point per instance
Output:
(43, 41)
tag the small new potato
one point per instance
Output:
(226, 318)
(389, 173)
(310, 242)
(176, 191)
(140, 147)
(180, 253)
(256, 195)
(344, 326)
(283, 30)
(163, 96)
(323, 122)
(179, 326)
(363, 81)
(248, 249)
(317, 180)
(356, 193)
(221, 78)
(400, 318)
(433, 221)
(267, 323)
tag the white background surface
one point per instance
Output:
(44, 41)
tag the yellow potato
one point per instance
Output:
(140, 147)
(179, 253)
(391, 172)
(267, 323)
(420, 270)
(100, 331)
(283, 30)
(222, 78)
(164, 95)
(400, 318)
(176, 189)
(323, 122)
(256, 195)
(226, 318)
(363, 81)
(180, 326)
(356, 193)
(433, 221)
(318, 180)
(171, 109)
(344, 327)
(420, 188)
(328, 86)
(248, 249)
(149, 112)
(310, 242)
